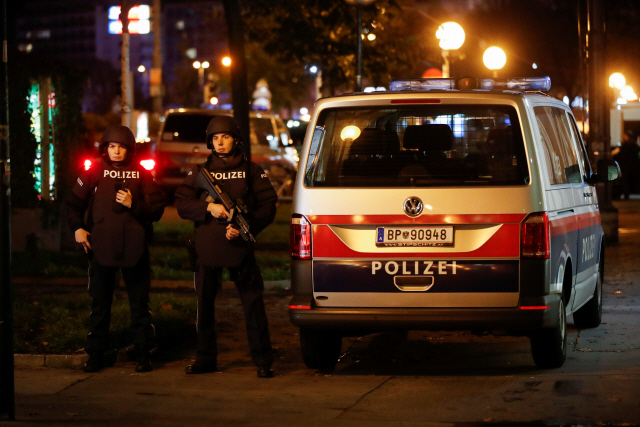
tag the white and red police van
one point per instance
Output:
(446, 204)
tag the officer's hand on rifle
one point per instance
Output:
(232, 232)
(124, 197)
(82, 237)
(217, 210)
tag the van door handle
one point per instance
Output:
(589, 194)
(564, 212)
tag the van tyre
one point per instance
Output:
(590, 314)
(320, 349)
(549, 346)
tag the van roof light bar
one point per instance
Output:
(519, 83)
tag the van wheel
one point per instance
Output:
(549, 346)
(590, 314)
(320, 349)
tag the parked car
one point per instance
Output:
(181, 145)
(446, 204)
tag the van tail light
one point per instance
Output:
(300, 237)
(148, 164)
(535, 239)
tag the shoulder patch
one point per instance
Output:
(190, 173)
(80, 182)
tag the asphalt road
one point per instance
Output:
(419, 378)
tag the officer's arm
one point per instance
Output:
(187, 201)
(77, 201)
(150, 206)
(266, 198)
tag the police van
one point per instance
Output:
(465, 204)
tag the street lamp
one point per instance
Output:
(226, 61)
(617, 83)
(200, 66)
(359, 4)
(451, 36)
(494, 59)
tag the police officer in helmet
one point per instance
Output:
(119, 200)
(219, 246)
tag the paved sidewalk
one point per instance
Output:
(464, 383)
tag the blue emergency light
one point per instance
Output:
(518, 83)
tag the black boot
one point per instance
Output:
(95, 362)
(143, 360)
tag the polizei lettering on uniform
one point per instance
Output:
(413, 267)
(228, 175)
(122, 174)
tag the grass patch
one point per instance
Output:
(59, 324)
(169, 260)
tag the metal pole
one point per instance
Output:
(7, 391)
(359, 59)
(157, 60)
(126, 104)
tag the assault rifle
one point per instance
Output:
(236, 210)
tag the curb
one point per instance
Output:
(269, 285)
(62, 361)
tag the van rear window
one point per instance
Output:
(420, 146)
(192, 128)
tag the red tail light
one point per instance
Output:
(300, 237)
(87, 164)
(148, 164)
(535, 236)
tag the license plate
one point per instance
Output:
(415, 236)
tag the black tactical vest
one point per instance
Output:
(212, 246)
(117, 238)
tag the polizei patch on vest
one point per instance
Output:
(228, 175)
(122, 174)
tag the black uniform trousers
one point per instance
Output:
(248, 280)
(102, 280)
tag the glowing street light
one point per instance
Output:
(627, 93)
(617, 80)
(494, 59)
(451, 36)
(226, 61)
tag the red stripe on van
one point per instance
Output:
(573, 223)
(504, 243)
(424, 219)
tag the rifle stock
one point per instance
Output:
(236, 210)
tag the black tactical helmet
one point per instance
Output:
(223, 124)
(121, 134)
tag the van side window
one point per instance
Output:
(583, 157)
(559, 149)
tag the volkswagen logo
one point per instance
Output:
(413, 207)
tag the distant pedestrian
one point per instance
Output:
(120, 200)
(219, 246)
(628, 157)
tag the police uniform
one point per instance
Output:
(118, 238)
(238, 179)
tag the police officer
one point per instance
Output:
(121, 200)
(219, 245)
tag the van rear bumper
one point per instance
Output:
(373, 319)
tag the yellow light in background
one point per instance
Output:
(451, 35)
(494, 58)
(350, 132)
(627, 93)
(142, 69)
(226, 61)
(371, 37)
(196, 64)
(617, 80)
(213, 100)
(205, 64)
